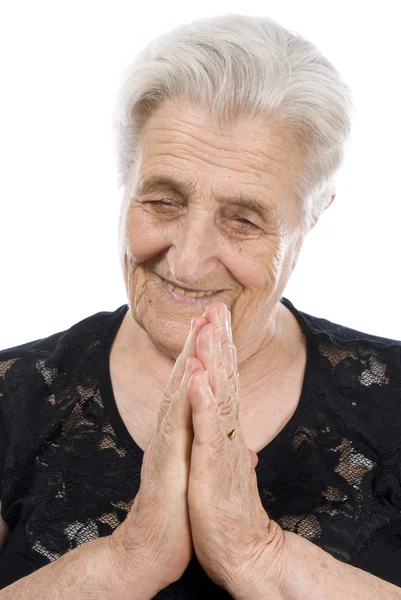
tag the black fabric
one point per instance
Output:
(70, 470)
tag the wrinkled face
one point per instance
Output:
(208, 212)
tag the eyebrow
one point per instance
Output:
(186, 187)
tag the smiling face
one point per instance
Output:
(209, 212)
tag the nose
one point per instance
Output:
(193, 248)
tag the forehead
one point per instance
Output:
(178, 142)
(250, 142)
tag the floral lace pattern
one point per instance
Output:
(70, 471)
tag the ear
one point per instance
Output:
(331, 200)
(325, 208)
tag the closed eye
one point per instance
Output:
(246, 222)
(239, 220)
(159, 202)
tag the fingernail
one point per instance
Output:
(223, 314)
(207, 385)
(225, 319)
(194, 323)
(217, 340)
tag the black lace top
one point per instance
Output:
(69, 469)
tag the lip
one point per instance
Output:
(186, 299)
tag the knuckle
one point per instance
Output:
(233, 355)
(217, 444)
(233, 385)
(164, 406)
(171, 423)
(221, 365)
(193, 362)
(167, 428)
(151, 464)
(226, 408)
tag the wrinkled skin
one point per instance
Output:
(154, 543)
(195, 240)
(235, 541)
(204, 245)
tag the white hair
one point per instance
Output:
(236, 66)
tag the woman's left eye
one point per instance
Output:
(246, 222)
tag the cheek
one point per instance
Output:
(256, 265)
(253, 265)
(143, 238)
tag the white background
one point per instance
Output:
(61, 64)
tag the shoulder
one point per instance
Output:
(47, 347)
(339, 333)
(359, 375)
(371, 359)
(343, 345)
(30, 369)
(338, 336)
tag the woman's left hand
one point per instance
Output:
(233, 537)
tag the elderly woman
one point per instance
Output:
(208, 437)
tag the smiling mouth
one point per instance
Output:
(183, 292)
(176, 290)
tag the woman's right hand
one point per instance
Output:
(156, 533)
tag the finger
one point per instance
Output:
(212, 310)
(173, 442)
(210, 441)
(205, 413)
(210, 353)
(189, 349)
(254, 458)
(178, 371)
(229, 353)
(220, 316)
(178, 415)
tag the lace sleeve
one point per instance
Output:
(7, 411)
(3, 433)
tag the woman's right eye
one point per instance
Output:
(158, 202)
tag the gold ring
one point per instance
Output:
(231, 434)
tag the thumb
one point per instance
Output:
(179, 410)
(254, 458)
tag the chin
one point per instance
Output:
(168, 337)
(165, 330)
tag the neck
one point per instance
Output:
(265, 368)
(257, 372)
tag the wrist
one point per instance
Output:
(263, 577)
(129, 580)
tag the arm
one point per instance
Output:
(86, 572)
(307, 571)
(3, 530)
